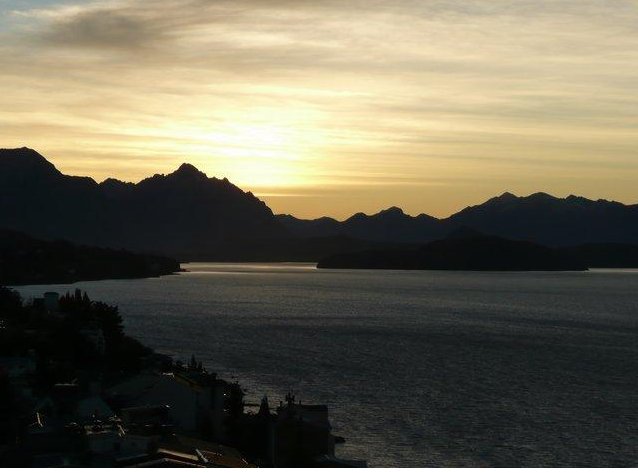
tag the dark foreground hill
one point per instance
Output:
(471, 253)
(26, 260)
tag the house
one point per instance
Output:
(104, 438)
(109, 442)
(302, 434)
(179, 451)
(48, 442)
(93, 407)
(196, 400)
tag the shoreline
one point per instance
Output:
(119, 386)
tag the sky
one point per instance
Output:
(330, 107)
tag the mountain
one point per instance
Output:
(552, 221)
(390, 225)
(26, 260)
(471, 253)
(188, 215)
(181, 212)
(539, 218)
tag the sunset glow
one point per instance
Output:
(325, 107)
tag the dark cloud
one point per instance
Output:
(101, 29)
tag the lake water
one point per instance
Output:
(418, 368)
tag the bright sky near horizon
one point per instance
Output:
(327, 107)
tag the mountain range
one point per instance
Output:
(539, 218)
(188, 215)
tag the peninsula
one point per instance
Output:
(465, 253)
(28, 260)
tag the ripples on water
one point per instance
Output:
(418, 368)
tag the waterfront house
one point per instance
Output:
(196, 400)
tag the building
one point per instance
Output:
(197, 401)
(93, 407)
(302, 434)
(183, 452)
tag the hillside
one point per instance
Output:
(473, 253)
(26, 260)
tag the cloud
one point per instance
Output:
(100, 29)
(442, 88)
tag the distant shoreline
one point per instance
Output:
(76, 281)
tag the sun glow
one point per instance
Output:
(263, 149)
(331, 107)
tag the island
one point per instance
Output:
(473, 252)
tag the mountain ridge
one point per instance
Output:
(538, 217)
(164, 213)
(186, 213)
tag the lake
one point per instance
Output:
(418, 368)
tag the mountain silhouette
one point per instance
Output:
(188, 215)
(184, 211)
(553, 221)
(539, 218)
(390, 225)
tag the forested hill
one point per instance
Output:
(26, 260)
